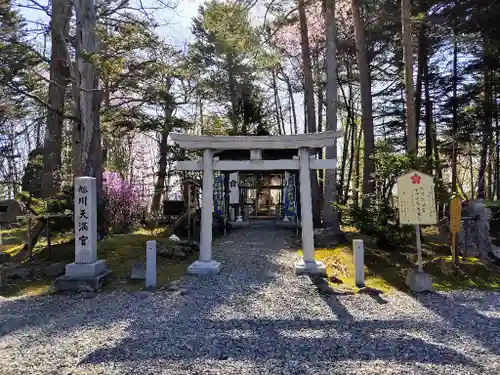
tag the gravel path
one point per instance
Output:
(256, 317)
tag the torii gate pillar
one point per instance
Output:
(206, 265)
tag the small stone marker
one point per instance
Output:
(359, 263)
(138, 271)
(87, 268)
(417, 205)
(150, 264)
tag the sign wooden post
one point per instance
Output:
(455, 223)
(416, 204)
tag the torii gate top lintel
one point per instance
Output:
(264, 142)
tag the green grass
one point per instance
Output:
(339, 262)
(470, 273)
(120, 252)
(386, 270)
(13, 240)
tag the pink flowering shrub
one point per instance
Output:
(123, 205)
(288, 36)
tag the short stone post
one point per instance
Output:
(151, 264)
(359, 263)
(87, 272)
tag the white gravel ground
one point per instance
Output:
(256, 317)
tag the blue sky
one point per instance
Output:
(177, 22)
(176, 28)
(177, 31)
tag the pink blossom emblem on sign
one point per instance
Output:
(415, 179)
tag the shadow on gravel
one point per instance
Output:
(237, 278)
(263, 340)
(21, 313)
(201, 337)
(330, 295)
(183, 329)
(462, 314)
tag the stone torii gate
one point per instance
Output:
(303, 162)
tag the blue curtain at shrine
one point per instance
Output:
(290, 201)
(219, 195)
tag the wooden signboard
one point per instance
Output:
(416, 199)
(416, 204)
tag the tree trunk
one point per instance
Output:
(490, 176)
(292, 105)
(422, 56)
(321, 96)
(437, 161)
(461, 189)
(356, 172)
(330, 216)
(280, 111)
(355, 138)
(454, 118)
(497, 149)
(87, 131)
(276, 104)
(354, 143)
(366, 104)
(232, 93)
(309, 105)
(428, 117)
(162, 171)
(412, 141)
(59, 80)
(289, 87)
(319, 151)
(38, 140)
(491, 154)
(307, 69)
(471, 172)
(345, 152)
(198, 128)
(487, 128)
(348, 139)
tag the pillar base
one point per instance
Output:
(310, 268)
(81, 284)
(204, 268)
(77, 270)
(419, 282)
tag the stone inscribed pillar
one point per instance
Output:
(87, 272)
(85, 221)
